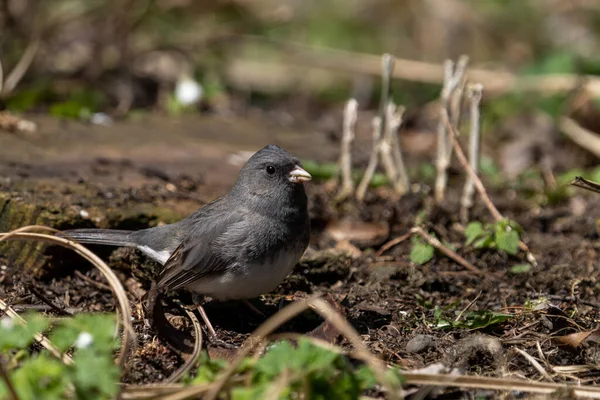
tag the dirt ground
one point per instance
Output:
(390, 301)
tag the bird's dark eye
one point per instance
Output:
(270, 169)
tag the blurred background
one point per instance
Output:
(297, 62)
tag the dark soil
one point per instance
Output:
(390, 301)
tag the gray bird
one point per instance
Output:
(239, 246)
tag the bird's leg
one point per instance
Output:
(212, 334)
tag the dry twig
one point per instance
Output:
(350, 114)
(584, 137)
(460, 154)
(26, 233)
(191, 361)
(450, 99)
(41, 339)
(448, 252)
(387, 70)
(329, 314)
(474, 94)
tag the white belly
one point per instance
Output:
(244, 282)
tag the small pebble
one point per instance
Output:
(420, 343)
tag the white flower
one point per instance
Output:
(84, 340)
(7, 323)
(188, 91)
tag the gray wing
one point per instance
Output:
(197, 254)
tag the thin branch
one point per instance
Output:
(196, 352)
(479, 185)
(15, 76)
(451, 100)
(442, 142)
(460, 154)
(350, 114)
(387, 71)
(586, 184)
(394, 123)
(6, 378)
(129, 341)
(584, 137)
(385, 151)
(474, 94)
(496, 82)
(448, 252)
(41, 339)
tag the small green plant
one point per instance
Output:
(93, 375)
(503, 235)
(468, 320)
(421, 252)
(315, 371)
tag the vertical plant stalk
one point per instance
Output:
(474, 93)
(350, 114)
(450, 99)
(15, 76)
(391, 157)
(13, 395)
(395, 119)
(385, 150)
(387, 70)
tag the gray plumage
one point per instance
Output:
(240, 245)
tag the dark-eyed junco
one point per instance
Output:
(240, 245)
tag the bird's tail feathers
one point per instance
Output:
(109, 237)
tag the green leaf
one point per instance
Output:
(40, 377)
(94, 375)
(520, 268)
(507, 239)
(208, 369)
(16, 335)
(421, 252)
(482, 319)
(474, 231)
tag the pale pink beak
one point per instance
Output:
(298, 175)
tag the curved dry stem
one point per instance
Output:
(128, 332)
(187, 366)
(328, 313)
(41, 339)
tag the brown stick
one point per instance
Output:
(9, 385)
(350, 114)
(448, 252)
(478, 184)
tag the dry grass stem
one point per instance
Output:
(586, 184)
(15, 76)
(535, 364)
(13, 395)
(393, 243)
(450, 103)
(350, 114)
(192, 358)
(394, 118)
(483, 382)
(289, 312)
(129, 340)
(460, 154)
(584, 137)
(474, 94)
(496, 82)
(387, 62)
(41, 339)
(448, 252)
